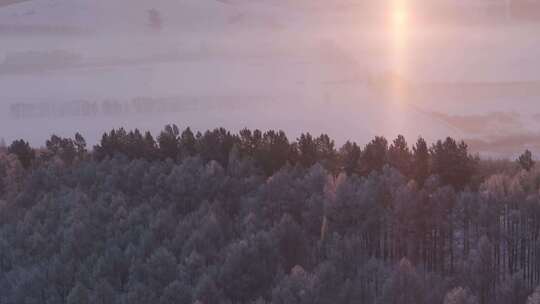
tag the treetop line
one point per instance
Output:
(272, 150)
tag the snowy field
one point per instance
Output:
(291, 65)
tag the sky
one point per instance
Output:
(349, 68)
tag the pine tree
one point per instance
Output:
(349, 155)
(168, 142)
(188, 143)
(307, 149)
(452, 162)
(80, 145)
(374, 155)
(526, 161)
(23, 151)
(399, 155)
(420, 163)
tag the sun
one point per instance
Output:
(400, 13)
(400, 16)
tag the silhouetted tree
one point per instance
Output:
(111, 143)
(149, 146)
(294, 154)
(134, 143)
(307, 150)
(250, 142)
(80, 145)
(526, 161)
(399, 155)
(216, 145)
(272, 152)
(420, 161)
(452, 162)
(23, 151)
(188, 143)
(63, 148)
(168, 142)
(326, 153)
(349, 155)
(374, 155)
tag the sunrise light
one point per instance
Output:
(400, 27)
(400, 14)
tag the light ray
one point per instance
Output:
(400, 31)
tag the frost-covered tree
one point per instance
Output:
(176, 293)
(459, 295)
(404, 285)
(534, 298)
(79, 295)
(239, 218)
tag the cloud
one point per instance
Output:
(482, 124)
(506, 145)
(496, 134)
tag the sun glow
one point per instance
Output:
(400, 14)
(400, 26)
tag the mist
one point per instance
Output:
(342, 68)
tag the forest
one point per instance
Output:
(186, 217)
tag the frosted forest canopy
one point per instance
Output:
(254, 217)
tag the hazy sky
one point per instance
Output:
(352, 69)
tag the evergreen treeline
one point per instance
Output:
(253, 217)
